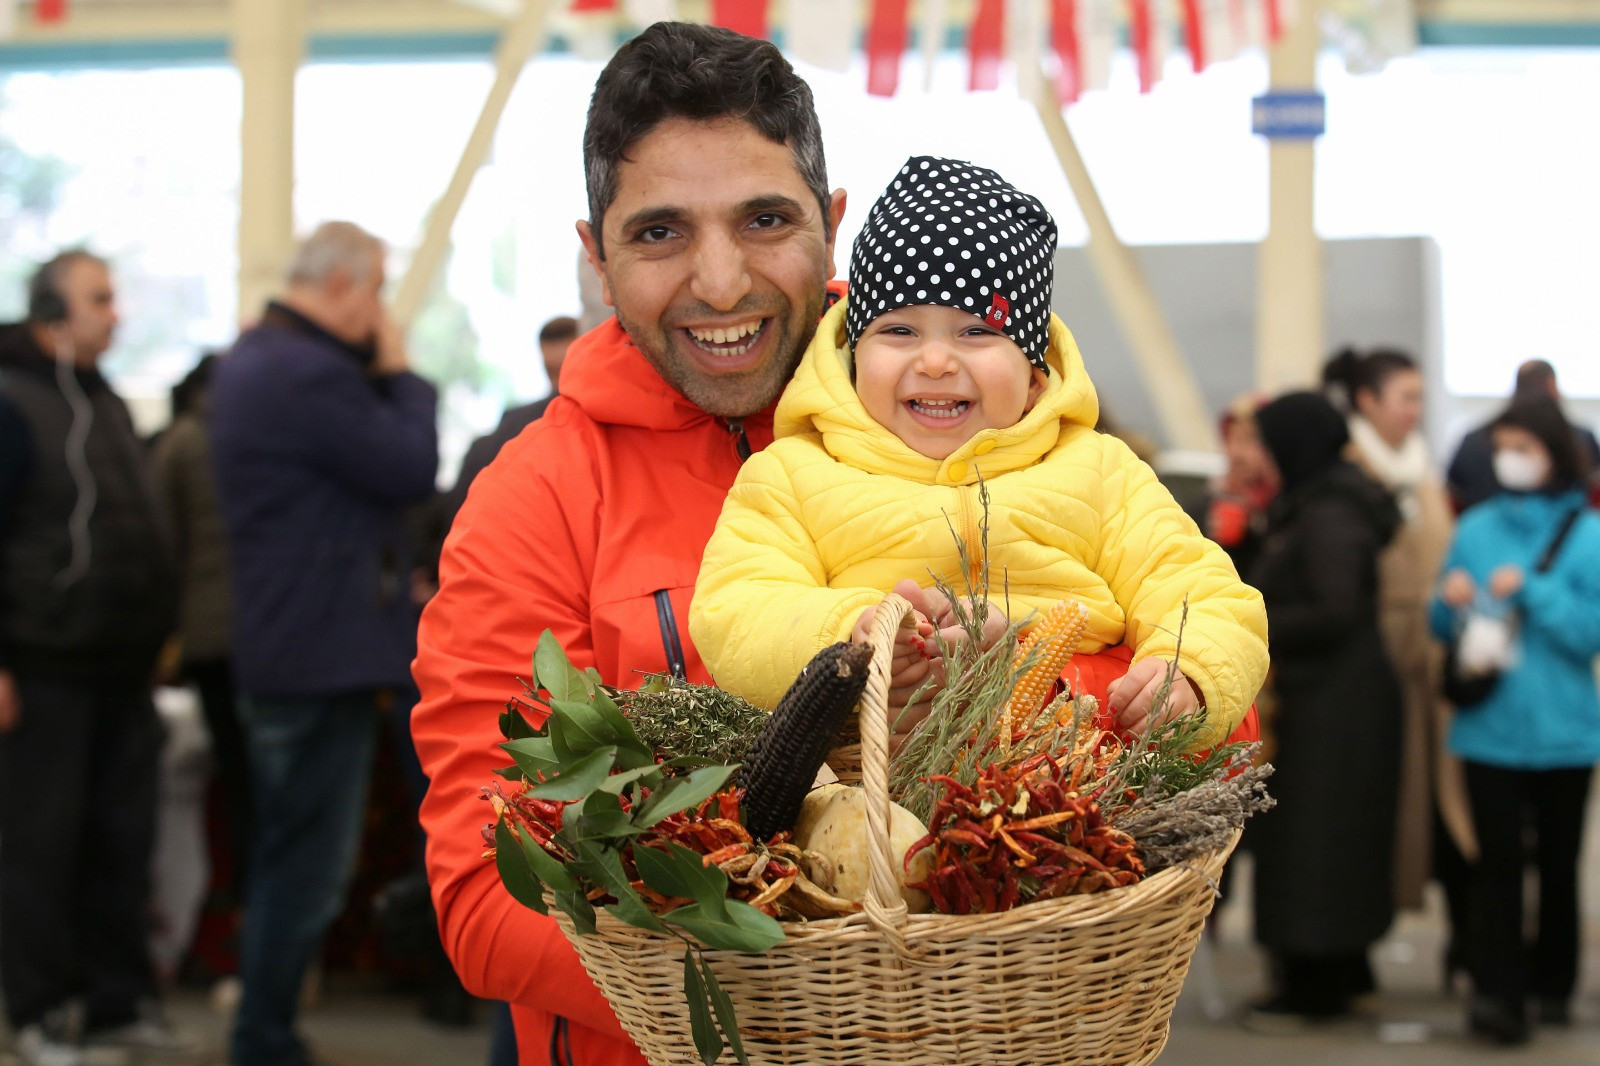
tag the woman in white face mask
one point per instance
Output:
(1381, 393)
(1530, 554)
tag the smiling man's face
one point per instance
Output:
(717, 255)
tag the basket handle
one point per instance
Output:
(884, 906)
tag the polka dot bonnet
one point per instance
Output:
(950, 233)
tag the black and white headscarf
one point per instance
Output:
(950, 233)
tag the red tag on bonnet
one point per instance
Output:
(999, 311)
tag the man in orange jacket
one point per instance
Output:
(711, 228)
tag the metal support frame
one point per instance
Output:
(268, 45)
(1290, 311)
(524, 36)
(1168, 375)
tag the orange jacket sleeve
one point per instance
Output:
(516, 562)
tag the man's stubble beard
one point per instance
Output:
(733, 395)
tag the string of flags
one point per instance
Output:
(1076, 39)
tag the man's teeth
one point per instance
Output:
(940, 408)
(732, 335)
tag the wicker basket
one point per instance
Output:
(1081, 980)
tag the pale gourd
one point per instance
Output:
(833, 823)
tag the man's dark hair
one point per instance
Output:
(563, 328)
(682, 70)
(1536, 376)
(46, 302)
(1540, 414)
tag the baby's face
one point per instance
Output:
(934, 376)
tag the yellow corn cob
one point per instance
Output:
(1058, 634)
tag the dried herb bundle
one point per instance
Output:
(679, 719)
(1173, 827)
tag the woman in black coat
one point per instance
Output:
(1323, 855)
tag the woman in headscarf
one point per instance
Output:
(1236, 511)
(1324, 855)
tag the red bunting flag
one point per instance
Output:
(748, 17)
(886, 41)
(1141, 36)
(1068, 50)
(49, 10)
(1194, 33)
(986, 42)
(1276, 22)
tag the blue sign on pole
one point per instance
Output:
(1289, 116)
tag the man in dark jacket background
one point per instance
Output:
(322, 437)
(555, 337)
(87, 596)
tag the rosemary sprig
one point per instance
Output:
(960, 734)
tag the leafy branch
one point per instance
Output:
(581, 833)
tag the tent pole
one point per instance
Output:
(268, 43)
(523, 37)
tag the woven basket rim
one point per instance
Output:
(1058, 915)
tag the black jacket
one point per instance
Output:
(1324, 854)
(102, 602)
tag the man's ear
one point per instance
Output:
(597, 261)
(835, 216)
(338, 283)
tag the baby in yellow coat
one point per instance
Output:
(945, 364)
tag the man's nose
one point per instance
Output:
(721, 272)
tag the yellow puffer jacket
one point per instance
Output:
(837, 510)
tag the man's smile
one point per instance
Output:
(733, 340)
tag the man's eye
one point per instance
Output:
(655, 234)
(767, 220)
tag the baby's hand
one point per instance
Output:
(1458, 589)
(912, 658)
(951, 631)
(1133, 696)
(1505, 582)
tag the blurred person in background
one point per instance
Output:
(1528, 553)
(1381, 393)
(1324, 855)
(322, 437)
(187, 480)
(555, 337)
(1471, 473)
(1235, 514)
(87, 598)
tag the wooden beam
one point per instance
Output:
(1173, 388)
(523, 37)
(268, 45)
(162, 20)
(1289, 298)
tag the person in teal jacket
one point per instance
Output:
(1531, 746)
